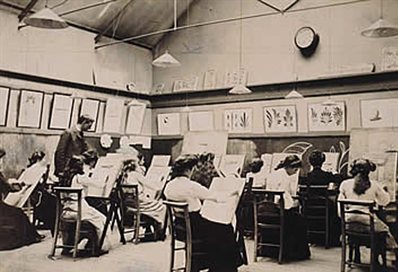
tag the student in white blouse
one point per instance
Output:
(219, 238)
(295, 244)
(360, 187)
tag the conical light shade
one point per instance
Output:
(134, 102)
(186, 109)
(46, 18)
(166, 60)
(294, 94)
(380, 29)
(240, 89)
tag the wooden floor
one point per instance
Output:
(148, 257)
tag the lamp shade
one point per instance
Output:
(380, 29)
(166, 60)
(240, 89)
(46, 18)
(293, 94)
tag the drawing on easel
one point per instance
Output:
(231, 165)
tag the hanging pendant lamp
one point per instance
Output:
(46, 18)
(294, 94)
(166, 60)
(240, 87)
(381, 28)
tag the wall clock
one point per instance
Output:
(307, 40)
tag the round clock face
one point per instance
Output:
(304, 38)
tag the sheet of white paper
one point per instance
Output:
(223, 212)
(232, 164)
(160, 160)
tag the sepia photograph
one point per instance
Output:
(199, 135)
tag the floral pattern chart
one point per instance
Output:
(326, 117)
(238, 120)
(280, 119)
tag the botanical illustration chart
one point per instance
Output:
(280, 119)
(61, 111)
(239, 120)
(326, 117)
(30, 107)
(379, 113)
(169, 124)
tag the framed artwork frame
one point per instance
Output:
(189, 84)
(61, 111)
(326, 117)
(90, 107)
(378, 113)
(135, 118)
(280, 119)
(233, 78)
(169, 123)
(113, 115)
(4, 104)
(30, 109)
(201, 121)
(210, 79)
(238, 120)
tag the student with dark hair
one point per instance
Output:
(205, 170)
(220, 239)
(259, 177)
(18, 230)
(72, 143)
(360, 187)
(318, 176)
(285, 179)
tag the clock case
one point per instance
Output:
(309, 50)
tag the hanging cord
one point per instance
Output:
(175, 14)
(381, 9)
(240, 35)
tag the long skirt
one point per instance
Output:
(15, 228)
(295, 237)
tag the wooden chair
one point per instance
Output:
(177, 214)
(67, 199)
(268, 220)
(131, 210)
(356, 234)
(317, 213)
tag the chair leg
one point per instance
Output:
(357, 256)
(350, 254)
(137, 228)
(56, 234)
(77, 236)
(343, 255)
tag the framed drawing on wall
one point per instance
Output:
(30, 109)
(210, 79)
(238, 120)
(189, 84)
(4, 101)
(61, 112)
(169, 123)
(377, 113)
(90, 107)
(201, 121)
(326, 117)
(280, 119)
(135, 118)
(113, 115)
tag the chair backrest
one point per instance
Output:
(357, 217)
(129, 196)
(264, 197)
(69, 203)
(178, 214)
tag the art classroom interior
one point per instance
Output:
(198, 135)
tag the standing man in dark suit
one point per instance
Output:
(71, 143)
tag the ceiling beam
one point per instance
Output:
(27, 9)
(109, 24)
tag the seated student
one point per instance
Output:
(77, 178)
(318, 176)
(219, 238)
(259, 177)
(22, 232)
(296, 245)
(360, 187)
(150, 206)
(43, 201)
(205, 170)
